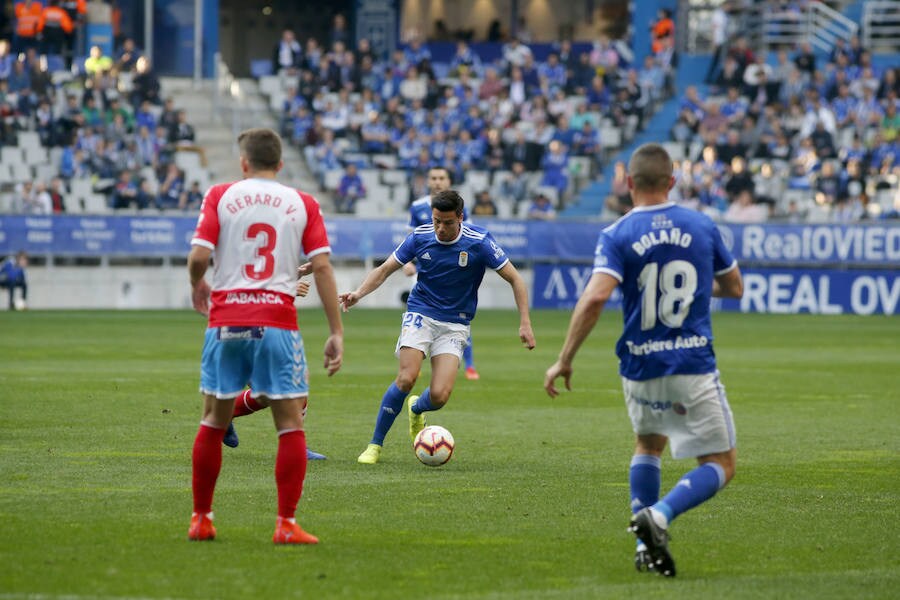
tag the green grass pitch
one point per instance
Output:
(99, 409)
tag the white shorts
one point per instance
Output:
(691, 410)
(432, 337)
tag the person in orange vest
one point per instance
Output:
(662, 29)
(77, 11)
(55, 27)
(28, 13)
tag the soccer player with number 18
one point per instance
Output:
(669, 262)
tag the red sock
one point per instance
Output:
(207, 462)
(244, 404)
(290, 471)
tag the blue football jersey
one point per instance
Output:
(449, 272)
(665, 258)
(420, 212)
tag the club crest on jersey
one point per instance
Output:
(661, 222)
(463, 259)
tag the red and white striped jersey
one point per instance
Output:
(258, 229)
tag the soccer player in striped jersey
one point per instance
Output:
(669, 262)
(258, 230)
(452, 258)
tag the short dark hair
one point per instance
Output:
(445, 170)
(448, 200)
(261, 147)
(650, 168)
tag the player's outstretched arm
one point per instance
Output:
(584, 317)
(327, 290)
(520, 293)
(198, 263)
(371, 283)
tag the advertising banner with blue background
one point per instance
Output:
(784, 291)
(825, 269)
(872, 245)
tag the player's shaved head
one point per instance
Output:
(650, 168)
(261, 147)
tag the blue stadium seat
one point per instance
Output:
(55, 63)
(260, 67)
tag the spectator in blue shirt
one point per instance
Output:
(553, 71)
(12, 277)
(374, 135)
(417, 53)
(466, 60)
(350, 190)
(555, 164)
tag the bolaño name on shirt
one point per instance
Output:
(241, 202)
(679, 343)
(672, 236)
(251, 298)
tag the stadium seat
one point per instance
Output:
(478, 180)
(81, 187)
(610, 138)
(394, 177)
(260, 67)
(20, 171)
(384, 161)
(45, 172)
(675, 150)
(11, 155)
(55, 63)
(36, 156)
(95, 204)
(6, 203)
(187, 160)
(269, 84)
(333, 179)
(28, 139)
(5, 175)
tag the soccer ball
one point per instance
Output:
(434, 446)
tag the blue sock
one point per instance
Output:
(467, 354)
(423, 404)
(694, 488)
(391, 405)
(644, 481)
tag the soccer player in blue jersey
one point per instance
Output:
(439, 179)
(669, 262)
(452, 258)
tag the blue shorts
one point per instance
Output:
(269, 359)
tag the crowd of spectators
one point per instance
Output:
(347, 106)
(799, 137)
(102, 122)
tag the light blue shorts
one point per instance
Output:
(270, 360)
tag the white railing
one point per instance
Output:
(881, 25)
(819, 25)
(229, 98)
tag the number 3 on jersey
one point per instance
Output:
(265, 237)
(674, 284)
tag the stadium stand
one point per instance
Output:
(478, 108)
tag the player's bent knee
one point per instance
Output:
(406, 381)
(439, 397)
